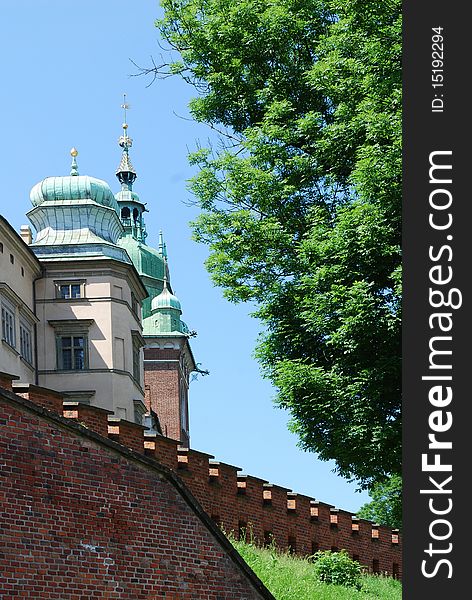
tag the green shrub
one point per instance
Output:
(337, 568)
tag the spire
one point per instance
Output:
(74, 170)
(162, 246)
(125, 172)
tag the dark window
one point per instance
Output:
(12, 259)
(134, 305)
(26, 350)
(72, 353)
(125, 214)
(355, 557)
(135, 214)
(1, 247)
(136, 362)
(22, 272)
(314, 547)
(334, 549)
(375, 566)
(69, 290)
(8, 326)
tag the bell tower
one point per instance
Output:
(168, 358)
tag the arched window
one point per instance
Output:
(125, 214)
(135, 214)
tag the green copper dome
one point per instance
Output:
(166, 300)
(75, 215)
(60, 190)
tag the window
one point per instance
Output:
(134, 305)
(72, 343)
(8, 326)
(1, 247)
(70, 290)
(72, 354)
(125, 215)
(12, 259)
(26, 347)
(136, 363)
(138, 342)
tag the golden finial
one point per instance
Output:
(73, 168)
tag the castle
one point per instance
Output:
(92, 334)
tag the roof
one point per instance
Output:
(59, 190)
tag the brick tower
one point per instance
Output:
(168, 359)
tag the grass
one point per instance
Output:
(292, 578)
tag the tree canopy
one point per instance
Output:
(300, 203)
(386, 505)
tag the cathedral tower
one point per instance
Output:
(168, 358)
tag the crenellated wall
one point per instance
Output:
(243, 504)
(86, 517)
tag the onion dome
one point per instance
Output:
(166, 300)
(63, 190)
(165, 315)
(75, 215)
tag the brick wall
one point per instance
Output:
(251, 506)
(83, 517)
(162, 393)
(293, 521)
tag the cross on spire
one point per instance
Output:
(125, 173)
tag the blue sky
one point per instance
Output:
(65, 67)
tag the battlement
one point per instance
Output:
(243, 504)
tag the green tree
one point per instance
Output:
(386, 505)
(300, 203)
